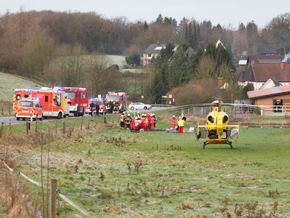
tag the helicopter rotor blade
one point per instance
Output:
(217, 103)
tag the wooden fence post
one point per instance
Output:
(53, 198)
(1, 130)
(63, 127)
(27, 126)
(82, 121)
(36, 128)
(56, 127)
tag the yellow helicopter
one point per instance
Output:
(217, 129)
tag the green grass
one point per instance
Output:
(117, 59)
(8, 82)
(112, 172)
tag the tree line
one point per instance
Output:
(62, 48)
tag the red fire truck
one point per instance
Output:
(116, 102)
(78, 99)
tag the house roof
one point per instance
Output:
(154, 48)
(265, 59)
(272, 80)
(269, 92)
(263, 72)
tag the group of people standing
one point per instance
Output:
(138, 122)
(177, 125)
(96, 107)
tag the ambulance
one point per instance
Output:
(54, 103)
(28, 109)
(20, 94)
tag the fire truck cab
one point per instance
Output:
(78, 99)
(116, 102)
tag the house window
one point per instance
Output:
(149, 55)
(277, 105)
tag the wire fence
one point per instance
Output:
(6, 109)
(41, 133)
(63, 197)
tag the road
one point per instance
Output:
(12, 119)
(7, 120)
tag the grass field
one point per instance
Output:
(9, 82)
(112, 172)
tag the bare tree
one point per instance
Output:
(280, 29)
(37, 55)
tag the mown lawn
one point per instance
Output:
(112, 172)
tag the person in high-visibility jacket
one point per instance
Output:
(180, 124)
(122, 120)
(128, 121)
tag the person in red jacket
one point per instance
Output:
(150, 121)
(173, 122)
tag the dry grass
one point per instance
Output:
(113, 172)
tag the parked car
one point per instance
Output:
(29, 109)
(96, 101)
(139, 106)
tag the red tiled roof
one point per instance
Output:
(262, 72)
(261, 59)
(268, 92)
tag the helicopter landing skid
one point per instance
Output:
(205, 143)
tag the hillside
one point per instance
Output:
(8, 82)
(117, 59)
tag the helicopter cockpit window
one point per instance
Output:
(225, 119)
(210, 119)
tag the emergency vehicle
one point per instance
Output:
(28, 109)
(20, 94)
(54, 103)
(77, 99)
(142, 123)
(116, 102)
(96, 101)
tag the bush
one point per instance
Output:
(257, 110)
(133, 60)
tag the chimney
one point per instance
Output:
(282, 65)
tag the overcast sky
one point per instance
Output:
(223, 12)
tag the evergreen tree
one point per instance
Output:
(178, 72)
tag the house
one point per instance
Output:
(273, 101)
(258, 69)
(153, 51)
(270, 83)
